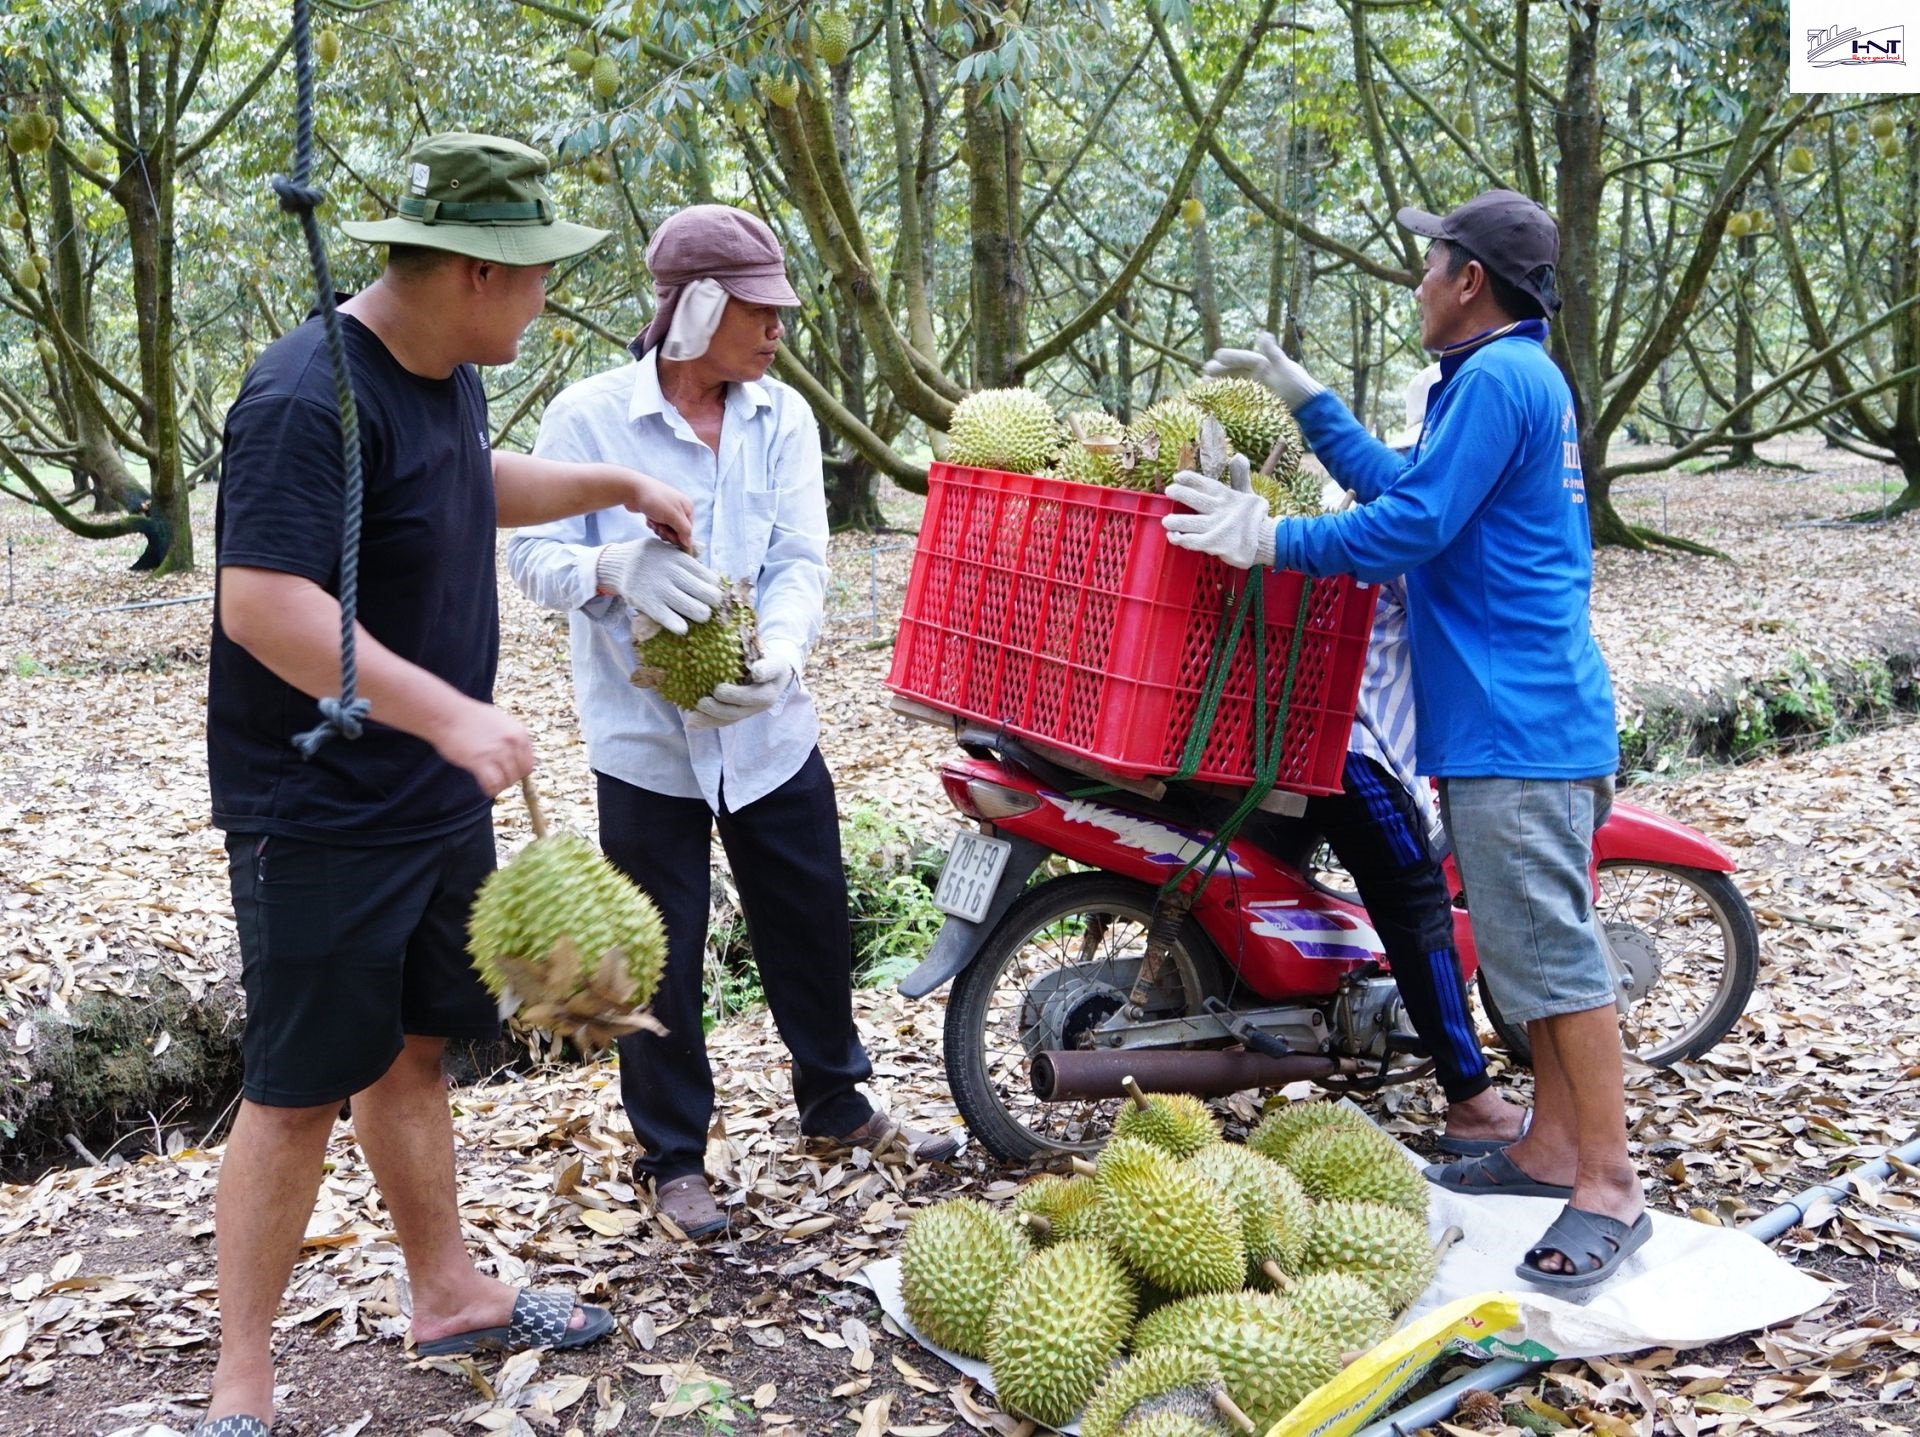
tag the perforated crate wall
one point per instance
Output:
(1060, 612)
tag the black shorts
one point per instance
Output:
(346, 951)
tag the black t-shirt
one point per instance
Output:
(426, 585)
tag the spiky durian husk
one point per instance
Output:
(1082, 465)
(1255, 419)
(1171, 1226)
(1178, 1124)
(1172, 1424)
(1056, 1329)
(1385, 1247)
(1160, 440)
(957, 1256)
(1362, 1164)
(1297, 498)
(570, 937)
(1273, 1208)
(1008, 429)
(1162, 1379)
(1268, 1359)
(1070, 1206)
(1281, 1128)
(686, 668)
(1345, 1308)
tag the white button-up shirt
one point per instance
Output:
(759, 513)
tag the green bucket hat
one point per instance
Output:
(480, 196)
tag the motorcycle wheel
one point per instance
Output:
(1065, 934)
(1697, 935)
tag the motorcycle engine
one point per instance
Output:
(1366, 1012)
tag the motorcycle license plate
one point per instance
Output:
(972, 874)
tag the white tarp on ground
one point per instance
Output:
(1689, 1285)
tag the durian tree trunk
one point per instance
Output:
(1122, 396)
(1741, 453)
(142, 96)
(1362, 315)
(1603, 401)
(1000, 282)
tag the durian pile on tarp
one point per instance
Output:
(1180, 1283)
(685, 668)
(570, 939)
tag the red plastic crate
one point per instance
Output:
(1060, 612)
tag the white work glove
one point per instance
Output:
(768, 677)
(1268, 363)
(666, 585)
(1228, 521)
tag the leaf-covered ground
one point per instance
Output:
(110, 879)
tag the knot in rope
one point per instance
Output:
(337, 716)
(297, 198)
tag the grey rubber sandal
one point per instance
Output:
(539, 1320)
(1480, 1147)
(1594, 1243)
(236, 1424)
(1494, 1173)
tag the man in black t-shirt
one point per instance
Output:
(352, 872)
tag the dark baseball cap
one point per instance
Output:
(1506, 232)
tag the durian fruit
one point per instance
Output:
(1162, 442)
(1289, 1122)
(1171, 1424)
(1097, 465)
(571, 937)
(1256, 419)
(781, 91)
(1881, 127)
(605, 77)
(832, 34)
(1056, 1209)
(1056, 1328)
(580, 61)
(686, 668)
(1800, 160)
(1269, 1360)
(1169, 1224)
(1348, 1312)
(1164, 1381)
(1273, 1207)
(1176, 1123)
(326, 47)
(1008, 429)
(957, 1256)
(1359, 1163)
(1385, 1247)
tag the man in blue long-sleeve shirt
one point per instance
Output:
(1487, 519)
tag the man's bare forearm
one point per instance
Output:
(529, 491)
(292, 626)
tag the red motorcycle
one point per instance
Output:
(1264, 973)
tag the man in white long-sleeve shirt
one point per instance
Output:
(746, 450)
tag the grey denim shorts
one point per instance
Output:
(1523, 846)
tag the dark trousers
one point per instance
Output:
(785, 854)
(1376, 830)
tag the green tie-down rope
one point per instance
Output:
(1267, 750)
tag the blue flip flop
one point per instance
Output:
(539, 1319)
(1594, 1243)
(1493, 1173)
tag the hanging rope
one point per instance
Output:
(343, 714)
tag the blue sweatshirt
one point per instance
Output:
(1487, 518)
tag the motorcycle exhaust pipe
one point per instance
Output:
(1067, 1075)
